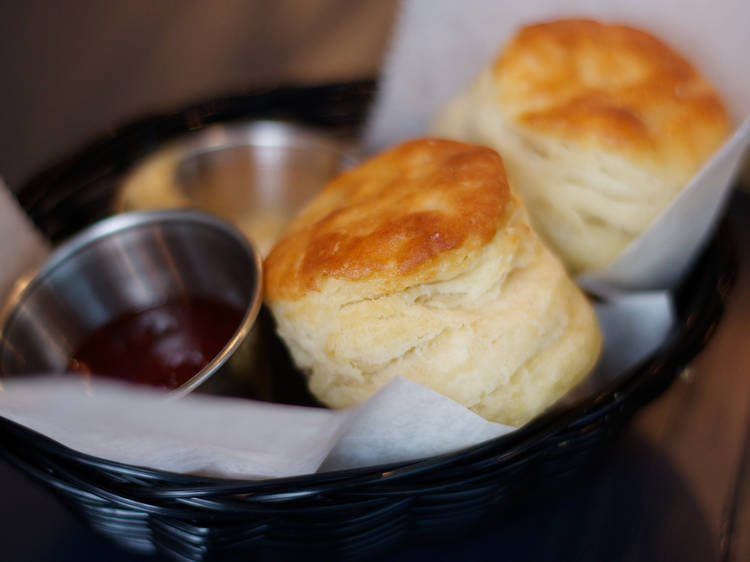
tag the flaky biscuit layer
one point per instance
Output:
(600, 126)
(491, 319)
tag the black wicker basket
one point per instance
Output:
(346, 514)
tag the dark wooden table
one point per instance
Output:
(675, 487)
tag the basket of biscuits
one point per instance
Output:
(332, 319)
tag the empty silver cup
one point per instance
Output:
(256, 174)
(130, 263)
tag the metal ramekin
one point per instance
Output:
(132, 262)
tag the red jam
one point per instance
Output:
(162, 346)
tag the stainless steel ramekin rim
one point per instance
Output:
(264, 133)
(139, 219)
(252, 133)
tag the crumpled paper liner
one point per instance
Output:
(440, 46)
(235, 438)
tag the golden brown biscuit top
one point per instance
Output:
(403, 217)
(610, 85)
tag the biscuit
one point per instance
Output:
(421, 263)
(600, 127)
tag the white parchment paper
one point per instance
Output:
(236, 438)
(440, 46)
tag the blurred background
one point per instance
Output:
(72, 69)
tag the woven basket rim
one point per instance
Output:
(628, 391)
